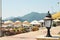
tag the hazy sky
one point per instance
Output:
(23, 7)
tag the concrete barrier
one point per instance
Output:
(47, 38)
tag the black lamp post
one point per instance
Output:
(48, 23)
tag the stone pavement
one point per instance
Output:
(25, 36)
(31, 35)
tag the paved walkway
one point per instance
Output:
(31, 35)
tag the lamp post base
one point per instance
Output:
(48, 32)
(48, 36)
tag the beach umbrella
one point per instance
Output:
(8, 22)
(17, 22)
(41, 20)
(56, 20)
(26, 23)
(35, 22)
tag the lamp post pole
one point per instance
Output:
(0, 27)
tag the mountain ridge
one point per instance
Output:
(29, 17)
(34, 16)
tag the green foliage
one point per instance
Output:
(54, 24)
(35, 28)
(9, 27)
(20, 30)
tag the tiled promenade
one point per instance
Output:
(32, 35)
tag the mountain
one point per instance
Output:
(29, 17)
(14, 19)
(34, 16)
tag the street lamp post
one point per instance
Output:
(0, 27)
(48, 23)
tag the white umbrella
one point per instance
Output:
(7, 22)
(41, 21)
(56, 20)
(35, 22)
(4, 25)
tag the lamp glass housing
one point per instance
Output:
(48, 23)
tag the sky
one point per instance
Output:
(14, 8)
